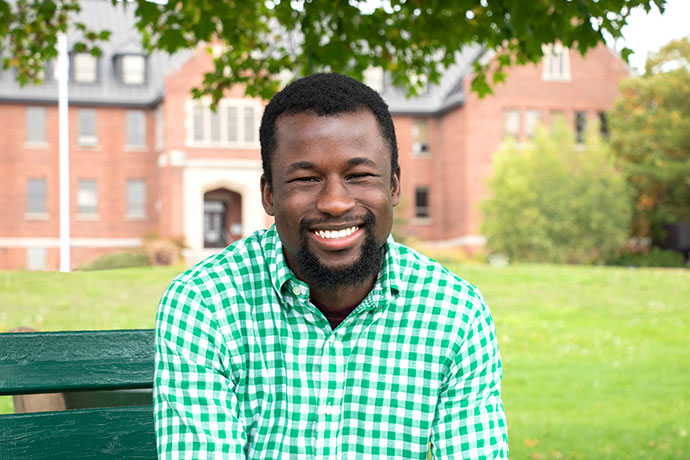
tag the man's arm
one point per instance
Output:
(195, 402)
(470, 421)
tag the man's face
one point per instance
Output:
(332, 194)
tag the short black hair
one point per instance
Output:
(324, 94)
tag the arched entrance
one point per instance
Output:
(222, 217)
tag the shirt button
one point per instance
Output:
(331, 339)
(328, 410)
(296, 290)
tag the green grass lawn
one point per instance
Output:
(596, 359)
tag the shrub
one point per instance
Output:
(555, 201)
(116, 260)
(655, 257)
(163, 251)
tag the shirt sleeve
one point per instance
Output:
(470, 421)
(195, 405)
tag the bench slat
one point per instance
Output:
(103, 433)
(50, 362)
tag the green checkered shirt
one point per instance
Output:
(247, 367)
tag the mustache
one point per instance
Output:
(367, 220)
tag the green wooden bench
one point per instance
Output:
(90, 368)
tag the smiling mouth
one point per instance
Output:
(336, 234)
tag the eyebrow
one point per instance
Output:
(297, 165)
(360, 161)
(301, 165)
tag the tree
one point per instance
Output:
(264, 37)
(555, 201)
(650, 134)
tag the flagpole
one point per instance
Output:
(63, 128)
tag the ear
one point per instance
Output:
(266, 196)
(395, 187)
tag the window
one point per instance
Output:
(87, 127)
(36, 196)
(160, 129)
(373, 77)
(249, 128)
(556, 63)
(532, 120)
(87, 197)
(35, 124)
(198, 123)
(215, 126)
(136, 128)
(233, 124)
(603, 125)
(136, 198)
(131, 69)
(580, 126)
(421, 203)
(511, 123)
(420, 138)
(84, 68)
(36, 258)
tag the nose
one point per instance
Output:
(334, 198)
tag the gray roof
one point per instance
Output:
(447, 94)
(107, 90)
(125, 39)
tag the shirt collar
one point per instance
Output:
(285, 283)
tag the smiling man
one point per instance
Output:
(321, 337)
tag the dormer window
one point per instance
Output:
(130, 69)
(84, 68)
(556, 63)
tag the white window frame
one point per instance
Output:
(82, 196)
(85, 68)
(36, 259)
(36, 214)
(37, 112)
(506, 124)
(129, 135)
(221, 113)
(556, 63)
(87, 139)
(133, 69)
(417, 218)
(134, 212)
(533, 118)
(421, 148)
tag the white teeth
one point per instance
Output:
(333, 234)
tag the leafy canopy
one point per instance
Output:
(263, 38)
(650, 134)
(556, 201)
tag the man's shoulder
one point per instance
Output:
(415, 267)
(421, 276)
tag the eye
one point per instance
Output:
(357, 176)
(305, 179)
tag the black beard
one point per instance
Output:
(320, 276)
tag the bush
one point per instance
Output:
(116, 260)
(162, 251)
(655, 257)
(555, 201)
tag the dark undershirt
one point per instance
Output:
(335, 316)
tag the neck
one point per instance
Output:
(342, 296)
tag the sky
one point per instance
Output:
(646, 33)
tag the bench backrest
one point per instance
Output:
(49, 362)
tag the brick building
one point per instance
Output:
(147, 158)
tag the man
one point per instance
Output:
(321, 337)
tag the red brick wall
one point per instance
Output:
(593, 88)
(110, 163)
